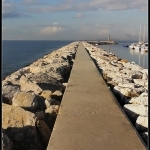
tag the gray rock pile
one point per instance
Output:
(128, 82)
(31, 98)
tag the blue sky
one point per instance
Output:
(74, 19)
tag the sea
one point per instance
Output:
(17, 54)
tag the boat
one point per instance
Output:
(132, 45)
(137, 46)
(144, 47)
(125, 45)
(141, 44)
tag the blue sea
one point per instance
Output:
(18, 54)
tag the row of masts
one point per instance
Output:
(143, 34)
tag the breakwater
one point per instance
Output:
(129, 84)
(31, 98)
(33, 95)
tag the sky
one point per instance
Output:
(122, 20)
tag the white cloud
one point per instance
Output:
(51, 30)
(55, 23)
(79, 15)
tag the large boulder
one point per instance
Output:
(135, 110)
(26, 100)
(142, 123)
(8, 90)
(27, 85)
(14, 116)
(20, 127)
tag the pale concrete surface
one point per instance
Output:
(89, 116)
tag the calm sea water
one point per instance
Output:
(18, 54)
(140, 58)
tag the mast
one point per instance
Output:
(144, 34)
(140, 34)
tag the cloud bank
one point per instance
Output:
(41, 6)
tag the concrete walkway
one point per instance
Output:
(89, 117)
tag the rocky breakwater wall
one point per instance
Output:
(31, 98)
(129, 84)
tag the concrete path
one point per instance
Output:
(90, 117)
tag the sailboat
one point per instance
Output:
(144, 46)
(137, 47)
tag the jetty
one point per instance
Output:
(90, 116)
(103, 42)
(78, 97)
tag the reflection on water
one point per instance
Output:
(140, 58)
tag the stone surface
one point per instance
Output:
(44, 130)
(46, 94)
(27, 85)
(142, 123)
(53, 109)
(6, 142)
(8, 90)
(26, 100)
(14, 116)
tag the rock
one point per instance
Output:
(123, 92)
(47, 103)
(136, 76)
(8, 90)
(135, 110)
(51, 101)
(44, 130)
(27, 85)
(53, 109)
(40, 115)
(65, 84)
(144, 135)
(20, 127)
(46, 94)
(14, 116)
(26, 100)
(141, 82)
(57, 95)
(124, 60)
(142, 123)
(6, 142)
(139, 100)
